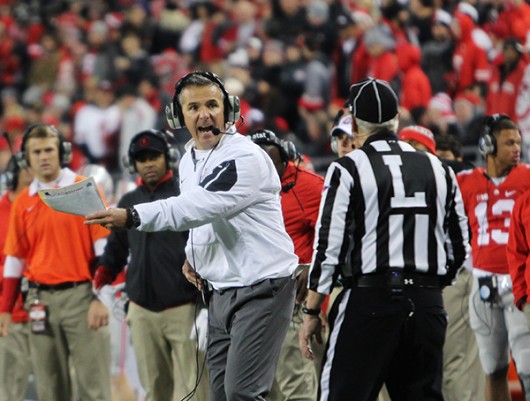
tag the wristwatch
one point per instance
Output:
(310, 311)
(133, 218)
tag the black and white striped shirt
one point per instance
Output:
(384, 206)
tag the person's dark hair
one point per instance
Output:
(504, 123)
(449, 143)
(391, 10)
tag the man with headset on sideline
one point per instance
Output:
(54, 250)
(15, 362)
(392, 225)
(296, 377)
(230, 203)
(162, 307)
(489, 194)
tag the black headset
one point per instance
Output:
(487, 144)
(174, 115)
(287, 149)
(65, 148)
(171, 151)
(11, 174)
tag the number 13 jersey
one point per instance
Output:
(489, 207)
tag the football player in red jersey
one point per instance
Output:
(489, 194)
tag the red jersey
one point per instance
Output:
(300, 197)
(502, 92)
(488, 208)
(18, 315)
(470, 62)
(518, 248)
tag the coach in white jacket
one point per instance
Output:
(230, 203)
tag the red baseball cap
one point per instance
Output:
(419, 134)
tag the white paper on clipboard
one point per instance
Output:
(80, 198)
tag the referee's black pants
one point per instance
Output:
(375, 339)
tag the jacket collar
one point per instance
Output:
(66, 177)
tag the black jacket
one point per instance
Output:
(154, 277)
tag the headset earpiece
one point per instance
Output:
(128, 164)
(335, 144)
(11, 174)
(66, 157)
(171, 152)
(290, 151)
(21, 160)
(174, 115)
(234, 112)
(287, 149)
(172, 120)
(487, 144)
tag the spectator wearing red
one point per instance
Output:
(217, 37)
(397, 17)
(516, 15)
(380, 46)
(360, 58)
(415, 86)
(507, 74)
(10, 56)
(470, 62)
(419, 137)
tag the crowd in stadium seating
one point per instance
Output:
(103, 70)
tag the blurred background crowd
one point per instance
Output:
(101, 71)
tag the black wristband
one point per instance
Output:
(310, 311)
(133, 219)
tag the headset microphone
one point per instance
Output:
(216, 131)
(287, 187)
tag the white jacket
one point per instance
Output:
(230, 202)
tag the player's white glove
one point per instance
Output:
(199, 331)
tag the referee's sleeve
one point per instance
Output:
(331, 232)
(457, 228)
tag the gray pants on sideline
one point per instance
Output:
(247, 327)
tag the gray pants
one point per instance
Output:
(70, 340)
(247, 327)
(15, 363)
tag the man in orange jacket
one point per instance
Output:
(54, 251)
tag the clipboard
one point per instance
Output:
(81, 198)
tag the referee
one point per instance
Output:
(392, 228)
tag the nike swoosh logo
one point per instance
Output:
(510, 193)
